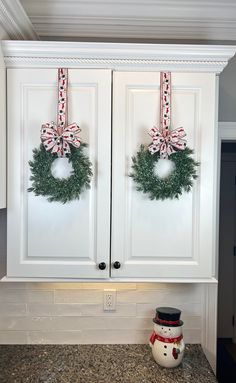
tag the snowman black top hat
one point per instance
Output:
(168, 316)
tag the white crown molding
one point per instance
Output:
(149, 28)
(15, 21)
(175, 57)
(196, 19)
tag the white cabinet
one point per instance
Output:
(51, 239)
(170, 240)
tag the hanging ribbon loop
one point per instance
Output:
(57, 138)
(165, 140)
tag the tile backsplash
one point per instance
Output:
(73, 312)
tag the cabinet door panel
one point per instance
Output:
(53, 239)
(170, 238)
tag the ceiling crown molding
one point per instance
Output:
(174, 57)
(150, 19)
(15, 21)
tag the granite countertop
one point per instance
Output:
(98, 364)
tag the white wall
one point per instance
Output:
(227, 92)
(3, 34)
(73, 312)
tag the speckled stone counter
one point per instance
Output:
(98, 364)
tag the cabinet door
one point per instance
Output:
(51, 239)
(169, 238)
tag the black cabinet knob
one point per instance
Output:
(116, 265)
(102, 266)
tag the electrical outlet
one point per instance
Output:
(109, 300)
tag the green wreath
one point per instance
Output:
(55, 189)
(179, 181)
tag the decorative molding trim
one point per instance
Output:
(15, 21)
(209, 323)
(227, 130)
(175, 57)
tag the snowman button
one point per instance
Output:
(165, 354)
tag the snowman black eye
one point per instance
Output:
(162, 328)
(169, 329)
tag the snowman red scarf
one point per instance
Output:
(155, 336)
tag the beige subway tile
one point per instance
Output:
(113, 336)
(122, 310)
(39, 286)
(146, 310)
(76, 309)
(45, 296)
(78, 296)
(160, 297)
(140, 296)
(72, 323)
(54, 337)
(194, 322)
(109, 337)
(189, 309)
(12, 309)
(143, 336)
(13, 337)
(13, 285)
(192, 336)
(109, 323)
(109, 285)
(79, 285)
(63, 285)
(51, 309)
(151, 286)
(13, 296)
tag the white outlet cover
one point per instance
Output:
(109, 299)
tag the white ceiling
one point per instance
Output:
(147, 19)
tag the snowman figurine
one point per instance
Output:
(166, 340)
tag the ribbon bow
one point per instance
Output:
(58, 137)
(58, 140)
(165, 141)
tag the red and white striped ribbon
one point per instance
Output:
(165, 140)
(57, 138)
